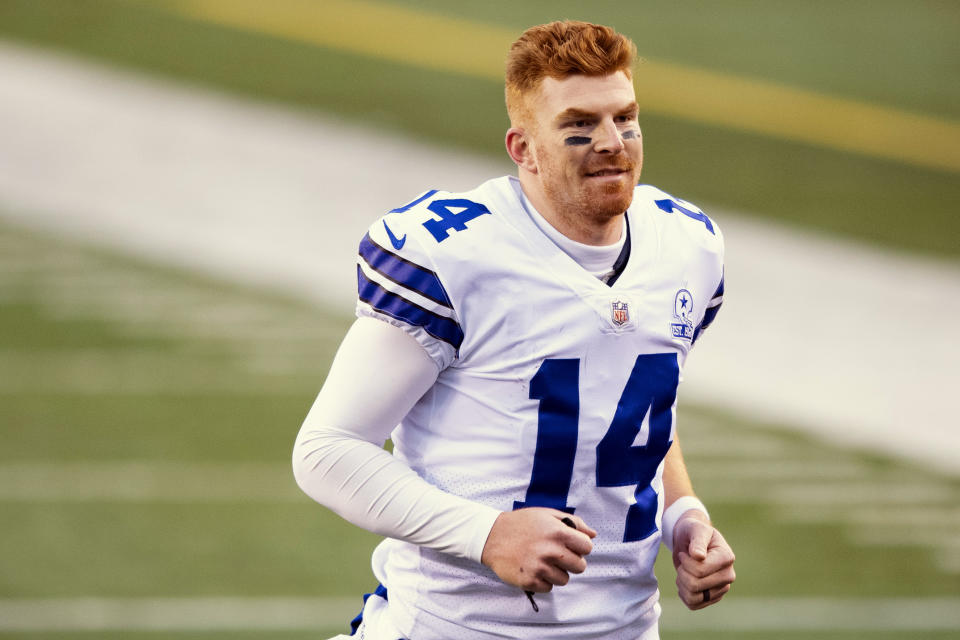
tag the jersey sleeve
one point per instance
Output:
(398, 283)
(339, 460)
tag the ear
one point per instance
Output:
(519, 148)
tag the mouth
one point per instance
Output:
(602, 173)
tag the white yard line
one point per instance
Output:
(817, 614)
(175, 614)
(284, 614)
(147, 481)
(847, 342)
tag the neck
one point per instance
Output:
(574, 224)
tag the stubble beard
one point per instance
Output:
(590, 205)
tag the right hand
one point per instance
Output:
(532, 549)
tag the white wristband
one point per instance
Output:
(673, 513)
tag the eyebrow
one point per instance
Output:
(631, 109)
(574, 113)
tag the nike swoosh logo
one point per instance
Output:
(396, 242)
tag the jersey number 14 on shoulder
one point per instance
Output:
(650, 393)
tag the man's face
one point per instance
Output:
(587, 144)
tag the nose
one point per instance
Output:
(608, 139)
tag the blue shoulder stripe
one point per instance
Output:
(707, 320)
(710, 313)
(388, 303)
(403, 272)
(719, 291)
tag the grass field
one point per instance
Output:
(148, 413)
(148, 418)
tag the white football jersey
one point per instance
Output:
(555, 390)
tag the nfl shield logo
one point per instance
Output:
(620, 313)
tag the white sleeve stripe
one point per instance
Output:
(410, 295)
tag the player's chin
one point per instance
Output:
(611, 199)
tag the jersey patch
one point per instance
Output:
(619, 312)
(682, 312)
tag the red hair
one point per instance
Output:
(560, 49)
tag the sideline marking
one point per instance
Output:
(413, 37)
(295, 613)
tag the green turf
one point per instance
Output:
(194, 427)
(147, 549)
(889, 53)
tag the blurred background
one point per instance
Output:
(183, 184)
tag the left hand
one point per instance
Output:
(703, 560)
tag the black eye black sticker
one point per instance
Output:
(576, 141)
(629, 135)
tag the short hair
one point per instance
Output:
(560, 49)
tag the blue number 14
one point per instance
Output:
(649, 395)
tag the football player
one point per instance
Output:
(522, 344)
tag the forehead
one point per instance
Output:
(594, 94)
